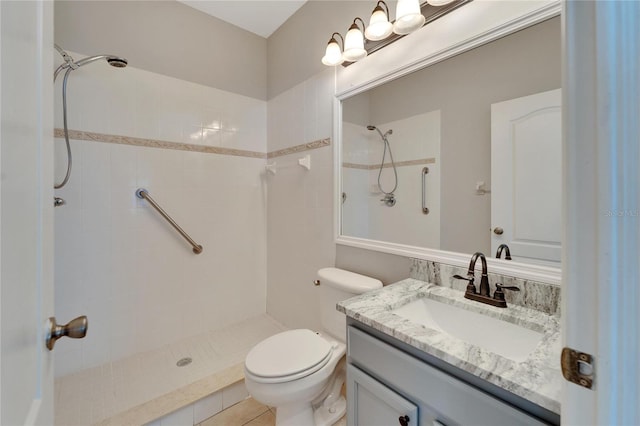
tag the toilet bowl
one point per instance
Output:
(290, 370)
(301, 372)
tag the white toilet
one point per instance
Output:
(301, 372)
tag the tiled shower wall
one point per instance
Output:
(300, 206)
(116, 260)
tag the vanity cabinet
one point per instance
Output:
(385, 383)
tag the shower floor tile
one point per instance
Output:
(146, 386)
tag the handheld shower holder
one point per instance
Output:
(389, 200)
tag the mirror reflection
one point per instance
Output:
(464, 155)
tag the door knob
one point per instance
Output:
(76, 329)
(498, 231)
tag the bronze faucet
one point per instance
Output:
(507, 253)
(484, 295)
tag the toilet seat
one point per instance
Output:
(288, 356)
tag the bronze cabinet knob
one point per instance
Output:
(404, 420)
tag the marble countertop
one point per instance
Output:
(537, 379)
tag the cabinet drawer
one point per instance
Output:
(452, 400)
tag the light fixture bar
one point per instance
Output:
(431, 13)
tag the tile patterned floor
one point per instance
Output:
(249, 413)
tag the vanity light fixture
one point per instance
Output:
(379, 26)
(354, 42)
(333, 53)
(409, 17)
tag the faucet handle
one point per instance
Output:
(471, 287)
(499, 294)
(460, 277)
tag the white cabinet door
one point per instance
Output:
(373, 404)
(526, 177)
(26, 214)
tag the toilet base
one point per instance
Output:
(324, 416)
(305, 415)
(295, 415)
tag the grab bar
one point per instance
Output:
(425, 171)
(144, 194)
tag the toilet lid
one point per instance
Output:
(288, 353)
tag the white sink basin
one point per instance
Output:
(503, 338)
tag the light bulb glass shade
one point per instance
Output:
(379, 26)
(408, 17)
(439, 2)
(354, 45)
(333, 54)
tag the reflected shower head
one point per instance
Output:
(114, 61)
(389, 198)
(383, 136)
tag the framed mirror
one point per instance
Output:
(460, 156)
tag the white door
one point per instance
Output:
(601, 244)
(26, 211)
(526, 177)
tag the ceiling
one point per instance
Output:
(261, 17)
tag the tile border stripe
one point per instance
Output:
(387, 165)
(155, 143)
(300, 148)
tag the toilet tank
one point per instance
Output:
(337, 285)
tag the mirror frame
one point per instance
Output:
(475, 24)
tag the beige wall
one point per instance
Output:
(388, 268)
(295, 49)
(169, 38)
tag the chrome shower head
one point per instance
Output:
(114, 61)
(70, 64)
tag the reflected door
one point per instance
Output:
(526, 177)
